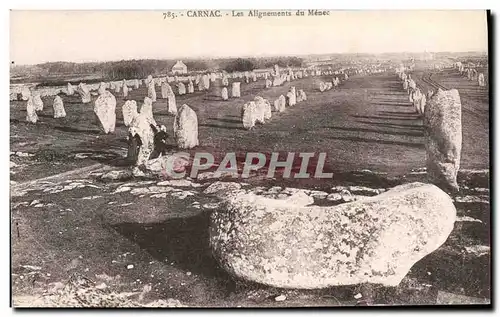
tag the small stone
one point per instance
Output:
(188, 273)
(358, 296)
(130, 266)
(280, 298)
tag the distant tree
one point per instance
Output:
(240, 65)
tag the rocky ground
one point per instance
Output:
(88, 234)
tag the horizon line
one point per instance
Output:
(247, 56)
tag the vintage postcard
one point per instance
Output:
(250, 158)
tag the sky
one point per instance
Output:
(84, 36)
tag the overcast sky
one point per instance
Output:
(42, 36)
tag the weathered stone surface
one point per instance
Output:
(37, 101)
(140, 127)
(443, 138)
(147, 110)
(31, 115)
(249, 115)
(375, 240)
(129, 111)
(186, 128)
(152, 91)
(104, 108)
(84, 93)
(70, 90)
(280, 104)
(58, 106)
(301, 95)
(125, 89)
(25, 93)
(263, 108)
(235, 90)
(166, 90)
(222, 188)
(290, 99)
(480, 80)
(224, 94)
(171, 104)
(181, 88)
(205, 81)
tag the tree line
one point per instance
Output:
(141, 68)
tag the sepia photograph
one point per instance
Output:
(250, 158)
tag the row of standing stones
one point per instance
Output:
(375, 240)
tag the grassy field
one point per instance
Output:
(97, 232)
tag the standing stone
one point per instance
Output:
(69, 90)
(249, 115)
(166, 90)
(171, 105)
(140, 127)
(152, 91)
(301, 95)
(405, 84)
(190, 89)
(263, 109)
(225, 81)
(58, 106)
(147, 109)
(117, 88)
(31, 115)
(25, 93)
(84, 93)
(480, 80)
(268, 83)
(224, 94)
(254, 77)
(285, 244)
(410, 96)
(102, 88)
(181, 88)
(104, 108)
(205, 82)
(290, 99)
(322, 86)
(37, 100)
(186, 128)
(125, 89)
(235, 90)
(148, 80)
(280, 104)
(129, 111)
(266, 108)
(417, 95)
(443, 138)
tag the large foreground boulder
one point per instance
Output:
(443, 138)
(374, 240)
